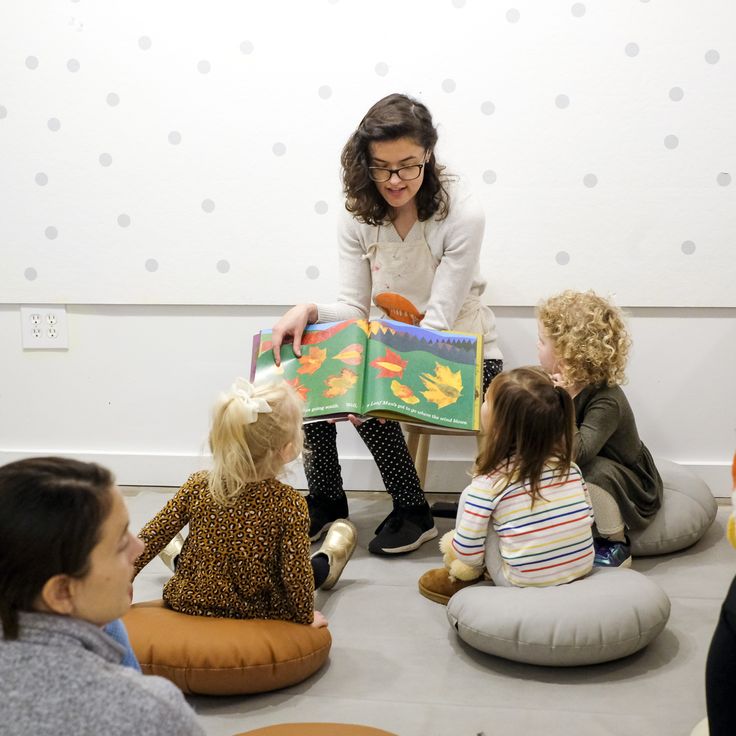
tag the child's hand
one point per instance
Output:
(320, 621)
(558, 380)
(572, 388)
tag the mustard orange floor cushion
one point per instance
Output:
(224, 656)
(317, 729)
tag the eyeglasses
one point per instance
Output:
(405, 173)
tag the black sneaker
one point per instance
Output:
(322, 512)
(404, 530)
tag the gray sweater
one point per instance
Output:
(63, 675)
(455, 244)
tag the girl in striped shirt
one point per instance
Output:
(526, 516)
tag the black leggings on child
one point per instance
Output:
(320, 569)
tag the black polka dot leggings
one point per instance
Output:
(387, 445)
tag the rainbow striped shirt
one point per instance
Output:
(548, 544)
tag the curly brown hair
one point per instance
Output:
(395, 116)
(589, 335)
(530, 425)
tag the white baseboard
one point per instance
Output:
(448, 475)
(716, 475)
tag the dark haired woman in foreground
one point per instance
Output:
(66, 564)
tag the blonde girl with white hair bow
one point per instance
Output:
(247, 554)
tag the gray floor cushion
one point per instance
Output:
(688, 509)
(608, 615)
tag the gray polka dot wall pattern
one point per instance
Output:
(195, 148)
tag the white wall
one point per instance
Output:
(185, 152)
(135, 388)
(152, 150)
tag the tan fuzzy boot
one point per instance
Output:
(439, 586)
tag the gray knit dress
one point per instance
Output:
(611, 455)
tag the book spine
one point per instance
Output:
(254, 355)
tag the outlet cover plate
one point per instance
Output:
(44, 327)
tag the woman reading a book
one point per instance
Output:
(409, 242)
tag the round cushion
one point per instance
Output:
(316, 729)
(701, 728)
(688, 509)
(223, 656)
(607, 615)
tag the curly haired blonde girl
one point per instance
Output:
(589, 338)
(584, 345)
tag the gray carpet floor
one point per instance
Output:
(396, 664)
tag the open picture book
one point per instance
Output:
(380, 368)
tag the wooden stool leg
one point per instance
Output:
(412, 443)
(448, 509)
(420, 461)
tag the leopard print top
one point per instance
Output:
(250, 560)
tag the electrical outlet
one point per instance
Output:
(44, 327)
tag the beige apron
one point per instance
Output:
(403, 274)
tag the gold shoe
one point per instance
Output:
(339, 545)
(437, 586)
(171, 551)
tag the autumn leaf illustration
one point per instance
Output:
(312, 361)
(377, 327)
(352, 354)
(404, 393)
(374, 327)
(444, 387)
(300, 388)
(311, 337)
(339, 385)
(389, 365)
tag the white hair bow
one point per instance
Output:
(252, 405)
